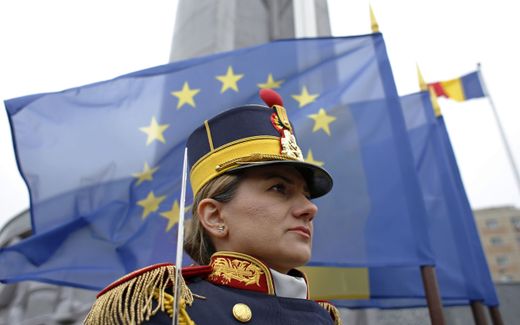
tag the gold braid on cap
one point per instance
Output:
(252, 158)
(332, 310)
(130, 302)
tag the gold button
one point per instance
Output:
(242, 313)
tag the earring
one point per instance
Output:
(220, 227)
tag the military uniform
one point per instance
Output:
(235, 288)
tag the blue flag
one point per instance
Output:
(461, 268)
(103, 162)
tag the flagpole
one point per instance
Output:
(433, 296)
(500, 128)
(428, 273)
(496, 316)
(180, 242)
(477, 308)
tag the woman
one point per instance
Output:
(252, 226)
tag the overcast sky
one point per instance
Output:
(53, 45)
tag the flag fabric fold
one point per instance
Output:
(103, 161)
(462, 272)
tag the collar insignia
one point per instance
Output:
(240, 271)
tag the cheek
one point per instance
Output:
(255, 219)
(269, 216)
(252, 207)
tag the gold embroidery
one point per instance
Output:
(251, 159)
(290, 147)
(242, 271)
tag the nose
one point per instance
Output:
(304, 208)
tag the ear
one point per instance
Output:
(210, 216)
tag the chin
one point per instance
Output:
(298, 258)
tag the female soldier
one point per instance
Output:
(252, 225)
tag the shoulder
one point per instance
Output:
(137, 296)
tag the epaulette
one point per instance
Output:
(332, 310)
(129, 300)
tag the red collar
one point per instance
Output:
(241, 271)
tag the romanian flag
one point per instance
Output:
(459, 89)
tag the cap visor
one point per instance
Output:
(318, 179)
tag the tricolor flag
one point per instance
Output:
(459, 89)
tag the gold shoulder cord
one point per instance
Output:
(131, 301)
(184, 318)
(333, 311)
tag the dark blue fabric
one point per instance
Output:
(217, 307)
(234, 124)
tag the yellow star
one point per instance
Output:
(310, 159)
(150, 204)
(270, 83)
(145, 175)
(155, 131)
(229, 80)
(322, 121)
(185, 95)
(305, 98)
(172, 215)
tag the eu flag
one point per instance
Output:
(102, 162)
(462, 272)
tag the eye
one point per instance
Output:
(280, 187)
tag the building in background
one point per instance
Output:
(35, 303)
(211, 26)
(499, 230)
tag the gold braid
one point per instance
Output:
(333, 311)
(131, 302)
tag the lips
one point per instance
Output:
(304, 231)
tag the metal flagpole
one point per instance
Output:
(496, 317)
(180, 243)
(433, 297)
(500, 128)
(477, 308)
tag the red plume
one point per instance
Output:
(271, 97)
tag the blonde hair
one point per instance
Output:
(197, 243)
